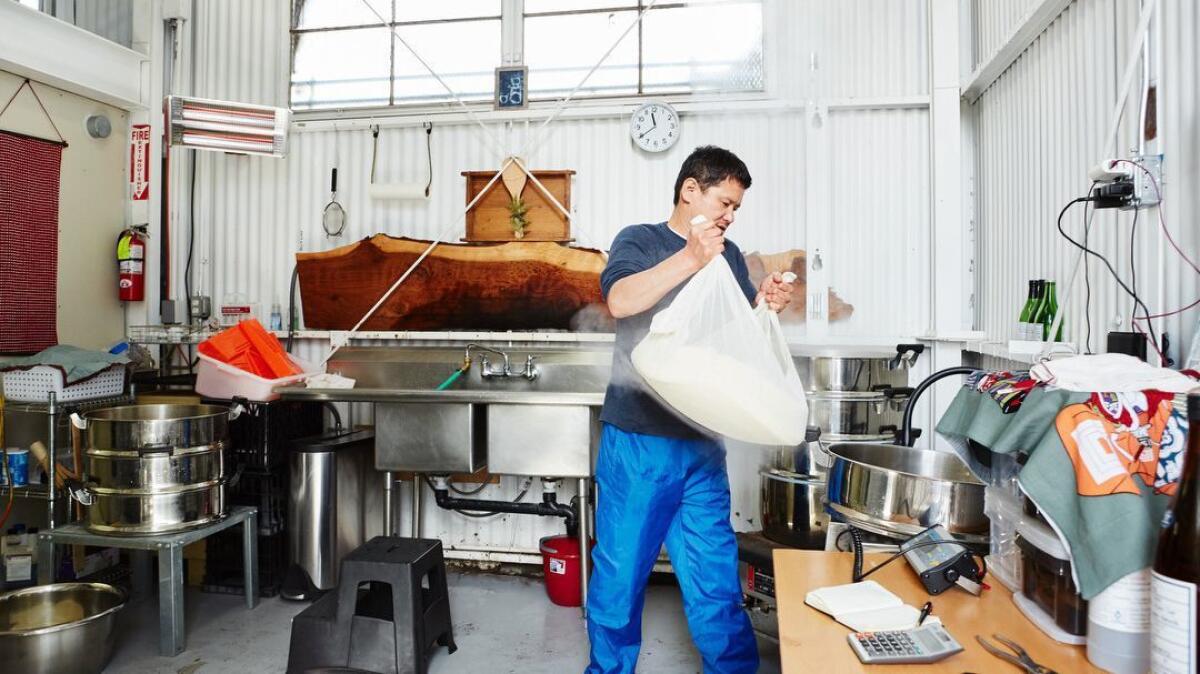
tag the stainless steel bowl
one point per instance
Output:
(898, 491)
(65, 627)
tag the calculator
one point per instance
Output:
(928, 643)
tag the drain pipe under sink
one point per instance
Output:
(549, 507)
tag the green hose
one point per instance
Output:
(450, 380)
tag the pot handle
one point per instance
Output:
(161, 448)
(81, 492)
(78, 421)
(791, 478)
(236, 410)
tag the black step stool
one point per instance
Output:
(389, 610)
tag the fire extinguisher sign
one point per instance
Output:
(139, 162)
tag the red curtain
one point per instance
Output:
(29, 174)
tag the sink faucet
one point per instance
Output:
(487, 371)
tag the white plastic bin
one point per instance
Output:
(1004, 558)
(35, 384)
(215, 379)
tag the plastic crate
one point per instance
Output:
(260, 436)
(37, 383)
(224, 572)
(266, 491)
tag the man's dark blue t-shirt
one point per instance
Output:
(628, 403)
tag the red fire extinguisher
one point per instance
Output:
(131, 264)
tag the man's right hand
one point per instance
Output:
(705, 241)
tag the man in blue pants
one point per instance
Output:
(661, 479)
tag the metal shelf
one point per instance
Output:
(32, 491)
(68, 407)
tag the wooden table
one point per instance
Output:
(810, 640)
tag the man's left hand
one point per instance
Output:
(775, 292)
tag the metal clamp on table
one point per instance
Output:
(171, 640)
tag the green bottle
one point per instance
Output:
(1023, 321)
(1051, 310)
(1036, 328)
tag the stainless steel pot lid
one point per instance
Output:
(865, 352)
(164, 412)
(854, 396)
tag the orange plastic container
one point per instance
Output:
(249, 347)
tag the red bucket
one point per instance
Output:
(561, 567)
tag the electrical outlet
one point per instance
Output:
(201, 307)
(1144, 194)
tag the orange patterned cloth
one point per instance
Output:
(1114, 438)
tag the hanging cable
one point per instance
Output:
(187, 268)
(1087, 275)
(1133, 268)
(1115, 275)
(1161, 218)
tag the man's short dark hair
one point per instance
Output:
(711, 165)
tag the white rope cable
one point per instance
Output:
(344, 338)
(496, 145)
(541, 130)
(545, 192)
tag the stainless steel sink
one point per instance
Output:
(547, 426)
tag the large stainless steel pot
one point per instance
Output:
(854, 369)
(157, 511)
(898, 491)
(150, 427)
(66, 627)
(117, 469)
(857, 417)
(793, 491)
(143, 476)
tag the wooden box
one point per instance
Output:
(489, 220)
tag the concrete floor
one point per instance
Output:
(501, 624)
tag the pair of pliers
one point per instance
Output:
(1021, 659)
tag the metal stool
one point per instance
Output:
(390, 610)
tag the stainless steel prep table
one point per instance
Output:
(171, 638)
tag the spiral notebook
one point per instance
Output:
(866, 606)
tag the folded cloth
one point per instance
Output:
(1113, 372)
(1102, 489)
(329, 380)
(1008, 389)
(75, 363)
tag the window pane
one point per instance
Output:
(535, 6)
(332, 13)
(560, 50)
(674, 60)
(469, 72)
(421, 10)
(343, 68)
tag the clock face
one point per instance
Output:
(654, 127)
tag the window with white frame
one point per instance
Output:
(352, 53)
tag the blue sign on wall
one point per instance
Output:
(512, 85)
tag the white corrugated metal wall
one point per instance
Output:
(1040, 126)
(111, 19)
(853, 75)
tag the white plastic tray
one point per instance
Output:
(215, 379)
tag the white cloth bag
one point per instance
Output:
(723, 364)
